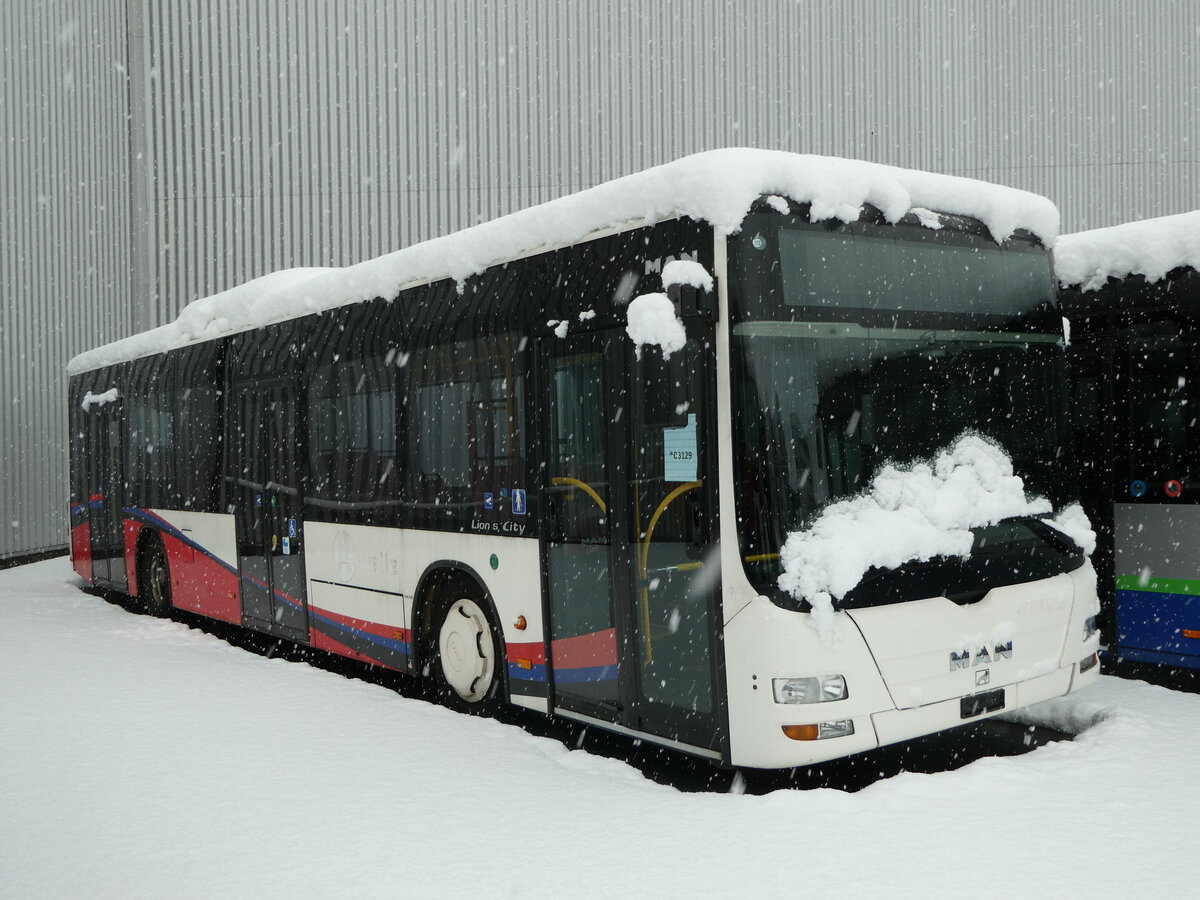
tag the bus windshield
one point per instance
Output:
(825, 394)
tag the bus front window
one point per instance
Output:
(822, 401)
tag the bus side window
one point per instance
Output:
(352, 438)
(1162, 421)
(466, 429)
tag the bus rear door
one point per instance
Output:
(267, 490)
(105, 493)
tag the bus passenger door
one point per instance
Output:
(674, 577)
(576, 494)
(627, 500)
(105, 494)
(267, 491)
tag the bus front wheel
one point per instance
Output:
(467, 656)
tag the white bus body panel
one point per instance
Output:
(932, 650)
(902, 654)
(364, 571)
(214, 532)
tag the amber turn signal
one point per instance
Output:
(520, 623)
(801, 732)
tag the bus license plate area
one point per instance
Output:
(978, 704)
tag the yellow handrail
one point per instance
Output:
(644, 560)
(583, 486)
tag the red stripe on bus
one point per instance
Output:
(391, 632)
(323, 641)
(596, 649)
(534, 651)
(200, 583)
(130, 529)
(81, 551)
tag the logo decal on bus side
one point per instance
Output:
(967, 660)
(655, 266)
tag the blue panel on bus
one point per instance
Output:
(1155, 621)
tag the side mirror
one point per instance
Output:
(692, 301)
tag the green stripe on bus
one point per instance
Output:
(1158, 585)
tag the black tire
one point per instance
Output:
(467, 657)
(154, 578)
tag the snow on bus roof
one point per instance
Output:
(718, 187)
(1151, 247)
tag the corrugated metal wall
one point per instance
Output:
(279, 133)
(64, 239)
(304, 132)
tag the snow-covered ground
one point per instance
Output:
(144, 758)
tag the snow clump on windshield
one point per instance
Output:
(1074, 523)
(907, 514)
(652, 322)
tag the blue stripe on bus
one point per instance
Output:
(534, 673)
(393, 644)
(585, 673)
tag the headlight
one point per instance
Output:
(1090, 626)
(813, 689)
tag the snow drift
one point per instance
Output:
(147, 759)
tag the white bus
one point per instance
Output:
(456, 460)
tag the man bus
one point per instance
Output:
(457, 461)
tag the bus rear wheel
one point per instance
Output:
(466, 656)
(154, 578)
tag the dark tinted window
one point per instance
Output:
(198, 427)
(1163, 438)
(820, 407)
(465, 422)
(150, 422)
(867, 267)
(352, 434)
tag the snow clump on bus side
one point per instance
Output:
(651, 317)
(652, 322)
(907, 514)
(686, 272)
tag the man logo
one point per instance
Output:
(967, 660)
(982, 677)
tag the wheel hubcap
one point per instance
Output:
(158, 579)
(466, 650)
